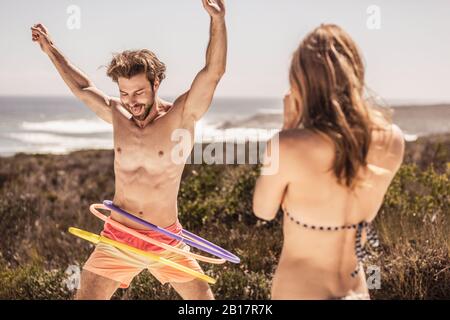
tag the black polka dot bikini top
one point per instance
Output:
(360, 251)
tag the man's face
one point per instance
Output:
(137, 95)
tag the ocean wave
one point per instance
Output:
(54, 140)
(275, 111)
(410, 137)
(77, 126)
(209, 133)
(265, 121)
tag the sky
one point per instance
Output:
(407, 58)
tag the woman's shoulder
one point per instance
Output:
(306, 146)
(298, 135)
(305, 138)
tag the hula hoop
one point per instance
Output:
(91, 237)
(93, 208)
(186, 236)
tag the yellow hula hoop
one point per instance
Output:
(93, 208)
(91, 237)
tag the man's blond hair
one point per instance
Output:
(131, 63)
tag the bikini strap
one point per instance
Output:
(361, 253)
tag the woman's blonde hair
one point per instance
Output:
(327, 80)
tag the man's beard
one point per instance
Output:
(144, 116)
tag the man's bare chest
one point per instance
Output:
(150, 149)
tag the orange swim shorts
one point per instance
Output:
(122, 266)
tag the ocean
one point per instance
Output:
(59, 125)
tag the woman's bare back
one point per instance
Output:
(317, 264)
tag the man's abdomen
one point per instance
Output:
(149, 197)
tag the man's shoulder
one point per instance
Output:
(181, 100)
(179, 108)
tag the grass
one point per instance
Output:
(41, 196)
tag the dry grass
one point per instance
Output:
(41, 196)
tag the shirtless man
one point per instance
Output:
(323, 210)
(147, 180)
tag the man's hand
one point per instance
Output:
(76, 80)
(215, 8)
(40, 35)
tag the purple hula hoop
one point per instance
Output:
(206, 246)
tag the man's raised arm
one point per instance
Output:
(75, 79)
(198, 99)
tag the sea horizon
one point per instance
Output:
(62, 124)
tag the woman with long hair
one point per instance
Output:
(336, 155)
